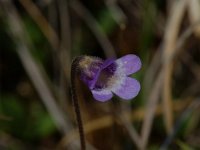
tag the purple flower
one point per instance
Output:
(111, 76)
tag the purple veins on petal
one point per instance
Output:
(102, 75)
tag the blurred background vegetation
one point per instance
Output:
(39, 39)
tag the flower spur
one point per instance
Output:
(105, 77)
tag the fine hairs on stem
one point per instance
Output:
(74, 69)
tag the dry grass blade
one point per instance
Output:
(65, 54)
(41, 21)
(150, 110)
(95, 27)
(35, 73)
(107, 121)
(194, 14)
(49, 33)
(149, 117)
(118, 15)
(131, 131)
(170, 38)
(150, 73)
(65, 51)
(33, 69)
(191, 108)
(125, 121)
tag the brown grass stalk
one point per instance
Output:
(95, 28)
(107, 121)
(170, 38)
(194, 14)
(148, 120)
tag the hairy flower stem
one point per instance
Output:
(74, 69)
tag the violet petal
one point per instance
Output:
(128, 90)
(102, 95)
(129, 63)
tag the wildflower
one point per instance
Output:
(105, 77)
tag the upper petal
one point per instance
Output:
(102, 95)
(129, 63)
(107, 62)
(128, 89)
